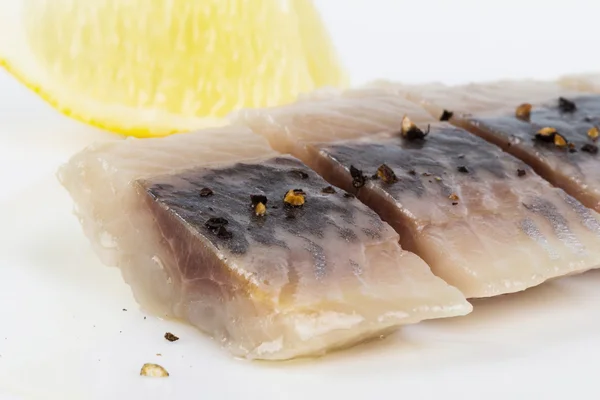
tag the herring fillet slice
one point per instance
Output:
(482, 220)
(331, 115)
(474, 98)
(99, 180)
(488, 110)
(296, 282)
(576, 169)
(506, 233)
(589, 82)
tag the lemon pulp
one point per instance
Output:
(152, 68)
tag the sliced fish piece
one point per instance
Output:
(254, 248)
(482, 219)
(560, 145)
(492, 241)
(476, 97)
(582, 82)
(567, 156)
(510, 115)
(331, 115)
(99, 180)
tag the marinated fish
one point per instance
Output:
(581, 82)
(331, 115)
(553, 129)
(476, 98)
(482, 219)
(250, 246)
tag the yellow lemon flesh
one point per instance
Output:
(155, 67)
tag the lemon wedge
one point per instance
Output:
(154, 67)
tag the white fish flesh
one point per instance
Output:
(312, 270)
(490, 111)
(482, 219)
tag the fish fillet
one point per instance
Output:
(482, 219)
(489, 111)
(581, 82)
(331, 115)
(252, 247)
(476, 97)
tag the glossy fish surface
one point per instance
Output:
(494, 111)
(482, 219)
(329, 115)
(570, 159)
(254, 248)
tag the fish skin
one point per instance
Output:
(575, 171)
(99, 178)
(269, 296)
(477, 242)
(488, 110)
(532, 232)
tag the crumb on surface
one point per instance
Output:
(170, 337)
(154, 371)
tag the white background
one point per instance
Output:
(63, 333)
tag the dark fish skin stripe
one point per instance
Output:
(573, 126)
(585, 216)
(437, 156)
(319, 258)
(530, 228)
(232, 188)
(572, 167)
(356, 269)
(558, 222)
